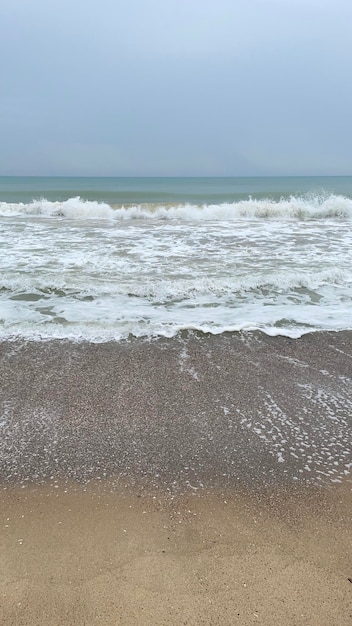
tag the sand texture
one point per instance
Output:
(99, 558)
(195, 480)
(193, 411)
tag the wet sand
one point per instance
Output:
(229, 410)
(197, 480)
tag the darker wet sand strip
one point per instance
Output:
(232, 410)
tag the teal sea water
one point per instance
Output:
(190, 190)
(108, 258)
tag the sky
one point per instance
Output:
(175, 87)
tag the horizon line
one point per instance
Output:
(175, 176)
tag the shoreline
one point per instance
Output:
(184, 333)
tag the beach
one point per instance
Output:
(175, 401)
(201, 479)
(86, 557)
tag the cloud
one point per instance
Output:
(186, 87)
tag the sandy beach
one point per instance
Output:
(92, 557)
(199, 480)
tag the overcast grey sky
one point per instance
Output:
(175, 87)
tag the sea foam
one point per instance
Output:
(306, 207)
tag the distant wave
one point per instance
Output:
(74, 208)
(305, 207)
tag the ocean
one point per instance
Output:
(104, 259)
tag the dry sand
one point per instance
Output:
(70, 556)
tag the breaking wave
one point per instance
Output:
(307, 207)
(175, 290)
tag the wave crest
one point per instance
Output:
(300, 208)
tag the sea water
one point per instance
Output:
(108, 258)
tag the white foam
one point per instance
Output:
(168, 290)
(64, 275)
(74, 208)
(302, 208)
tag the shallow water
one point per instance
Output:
(83, 268)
